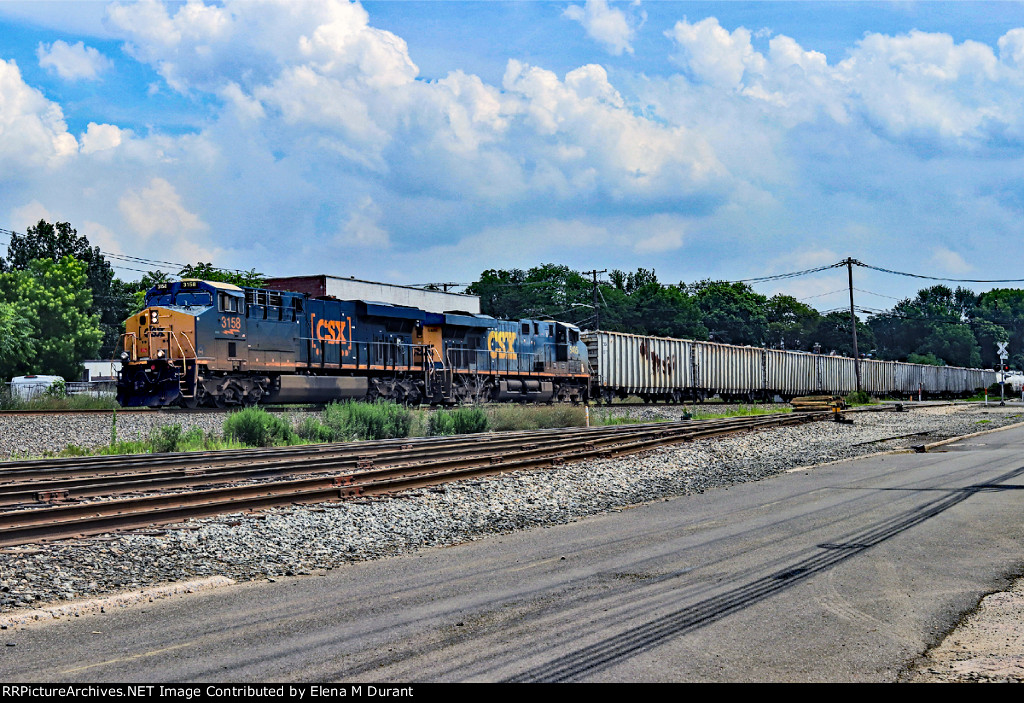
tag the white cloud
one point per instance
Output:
(103, 237)
(321, 125)
(32, 129)
(72, 61)
(608, 26)
(363, 227)
(28, 215)
(912, 86)
(100, 137)
(950, 261)
(157, 209)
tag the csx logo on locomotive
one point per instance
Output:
(333, 331)
(502, 345)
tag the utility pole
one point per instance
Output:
(597, 310)
(853, 321)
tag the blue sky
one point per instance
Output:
(427, 141)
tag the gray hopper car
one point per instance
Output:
(660, 368)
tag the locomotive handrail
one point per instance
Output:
(190, 345)
(135, 348)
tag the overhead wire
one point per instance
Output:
(939, 278)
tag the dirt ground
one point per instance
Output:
(988, 646)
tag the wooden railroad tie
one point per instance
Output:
(817, 403)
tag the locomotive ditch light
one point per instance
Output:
(161, 354)
(125, 356)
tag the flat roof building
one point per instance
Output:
(355, 289)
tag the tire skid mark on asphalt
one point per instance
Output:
(645, 637)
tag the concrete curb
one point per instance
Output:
(932, 445)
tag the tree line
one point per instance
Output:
(60, 303)
(939, 326)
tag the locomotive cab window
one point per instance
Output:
(227, 303)
(526, 328)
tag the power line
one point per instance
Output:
(880, 295)
(792, 274)
(132, 259)
(938, 278)
(819, 295)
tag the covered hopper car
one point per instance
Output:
(657, 368)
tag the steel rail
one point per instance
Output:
(19, 527)
(75, 467)
(66, 489)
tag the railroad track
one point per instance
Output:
(156, 411)
(56, 499)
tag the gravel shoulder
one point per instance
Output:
(65, 579)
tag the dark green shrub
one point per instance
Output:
(165, 438)
(258, 428)
(457, 421)
(312, 430)
(858, 398)
(530, 417)
(352, 420)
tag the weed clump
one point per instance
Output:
(528, 417)
(457, 421)
(858, 398)
(348, 421)
(256, 427)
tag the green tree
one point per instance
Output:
(548, 290)
(1003, 308)
(937, 321)
(791, 324)
(16, 343)
(732, 312)
(206, 272)
(954, 344)
(55, 303)
(834, 334)
(112, 300)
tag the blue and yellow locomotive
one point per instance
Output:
(207, 343)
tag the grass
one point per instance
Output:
(168, 438)
(535, 417)
(353, 421)
(740, 411)
(457, 421)
(49, 402)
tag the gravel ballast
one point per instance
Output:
(301, 540)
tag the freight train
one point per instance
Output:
(656, 368)
(215, 344)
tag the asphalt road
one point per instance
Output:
(846, 572)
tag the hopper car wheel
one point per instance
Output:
(189, 403)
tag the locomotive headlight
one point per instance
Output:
(160, 354)
(154, 317)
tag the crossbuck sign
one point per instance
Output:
(1002, 349)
